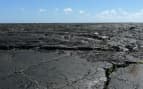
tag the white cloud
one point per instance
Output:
(113, 13)
(42, 10)
(120, 15)
(68, 10)
(82, 12)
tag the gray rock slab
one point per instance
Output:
(130, 77)
(29, 69)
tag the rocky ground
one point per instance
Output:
(71, 56)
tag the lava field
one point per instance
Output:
(71, 56)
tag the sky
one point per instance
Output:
(62, 11)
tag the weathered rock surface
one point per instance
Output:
(28, 69)
(127, 78)
(71, 56)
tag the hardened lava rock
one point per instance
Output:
(71, 56)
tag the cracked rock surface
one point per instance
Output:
(28, 69)
(71, 56)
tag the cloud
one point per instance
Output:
(113, 13)
(82, 12)
(120, 15)
(42, 10)
(68, 10)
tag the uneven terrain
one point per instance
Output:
(71, 56)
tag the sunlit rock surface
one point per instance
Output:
(127, 78)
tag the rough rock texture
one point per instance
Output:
(127, 78)
(71, 56)
(28, 69)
